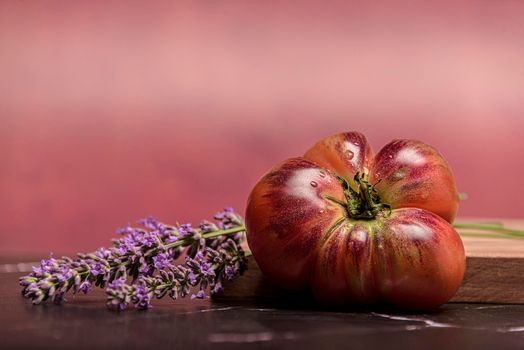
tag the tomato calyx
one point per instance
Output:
(364, 202)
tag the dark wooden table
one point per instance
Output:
(84, 323)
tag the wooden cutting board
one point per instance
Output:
(494, 272)
(494, 269)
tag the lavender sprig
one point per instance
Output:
(145, 256)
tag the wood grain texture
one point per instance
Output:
(494, 272)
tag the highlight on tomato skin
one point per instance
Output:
(344, 154)
(414, 174)
(326, 221)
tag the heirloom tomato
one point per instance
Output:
(359, 228)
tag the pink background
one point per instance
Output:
(113, 110)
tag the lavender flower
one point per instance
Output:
(98, 269)
(150, 222)
(186, 229)
(228, 218)
(162, 261)
(84, 287)
(230, 272)
(141, 296)
(208, 226)
(118, 294)
(140, 266)
(200, 295)
(217, 289)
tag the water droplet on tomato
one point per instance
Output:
(349, 155)
(322, 173)
(399, 174)
(313, 183)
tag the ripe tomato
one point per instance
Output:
(359, 228)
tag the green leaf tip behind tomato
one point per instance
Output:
(360, 228)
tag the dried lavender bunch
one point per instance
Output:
(140, 265)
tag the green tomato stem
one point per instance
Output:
(487, 235)
(363, 203)
(499, 228)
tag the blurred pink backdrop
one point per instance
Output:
(114, 110)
